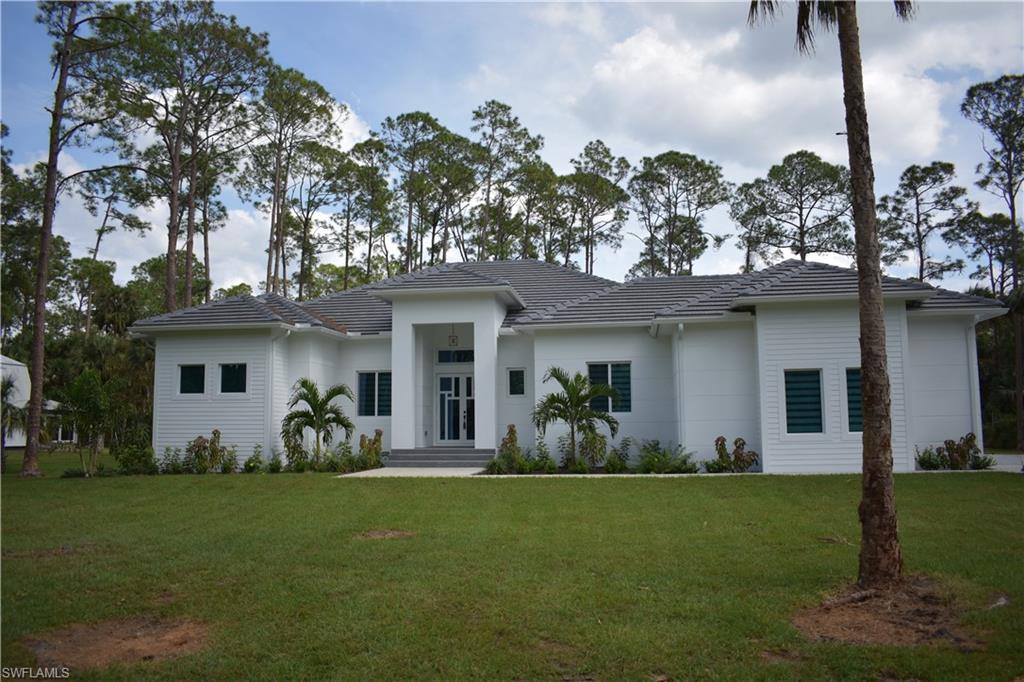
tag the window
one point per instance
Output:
(192, 379)
(516, 381)
(854, 409)
(803, 401)
(232, 378)
(616, 374)
(446, 356)
(374, 399)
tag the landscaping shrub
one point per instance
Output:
(593, 448)
(275, 466)
(542, 462)
(510, 458)
(959, 453)
(229, 460)
(134, 459)
(737, 462)
(172, 462)
(254, 463)
(655, 459)
(615, 464)
(296, 455)
(339, 460)
(980, 462)
(578, 466)
(370, 450)
(930, 460)
(956, 455)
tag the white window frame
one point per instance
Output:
(609, 364)
(220, 380)
(177, 388)
(508, 383)
(784, 433)
(376, 393)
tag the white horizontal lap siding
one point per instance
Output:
(653, 403)
(314, 356)
(241, 418)
(719, 383)
(516, 352)
(361, 355)
(823, 337)
(940, 381)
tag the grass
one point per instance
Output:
(619, 579)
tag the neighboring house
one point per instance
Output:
(449, 356)
(18, 372)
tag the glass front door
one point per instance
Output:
(455, 409)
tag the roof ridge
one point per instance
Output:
(248, 298)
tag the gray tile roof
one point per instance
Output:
(241, 310)
(557, 295)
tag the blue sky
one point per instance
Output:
(643, 78)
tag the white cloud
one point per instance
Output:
(585, 18)
(684, 92)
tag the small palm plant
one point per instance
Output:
(321, 414)
(572, 405)
(12, 417)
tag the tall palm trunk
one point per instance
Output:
(30, 464)
(880, 555)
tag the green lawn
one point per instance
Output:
(692, 578)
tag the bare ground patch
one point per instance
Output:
(84, 646)
(385, 534)
(914, 612)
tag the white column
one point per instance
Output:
(485, 371)
(403, 385)
(975, 385)
(677, 371)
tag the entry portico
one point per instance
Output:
(444, 364)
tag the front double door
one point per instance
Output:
(455, 409)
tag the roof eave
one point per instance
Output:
(743, 301)
(142, 331)
(979, 312)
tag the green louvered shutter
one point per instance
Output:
(803, 401)
(367, 391)
(598, 375)
(621, 383)
(384, 394)
(854, 408)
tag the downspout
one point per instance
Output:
(972, 374)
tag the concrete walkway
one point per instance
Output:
(415, 472)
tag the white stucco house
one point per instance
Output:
(442, 360)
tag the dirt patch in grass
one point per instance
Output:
(85, 646)
(385, 534)
(780, 656)
(913, 612)
(63, 550)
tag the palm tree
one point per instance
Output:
(881, 560)
(321, 414)
(572, 406)
(11, 416)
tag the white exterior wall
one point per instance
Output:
(242, 418)
(826, 337)
(719, 385)
(22, 387)
(653, 402)
(363, 355)
(516, 352)
(943, 379)
(408, 361)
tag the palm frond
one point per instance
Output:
(905, 9)
(761, 10)
(337, 391)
